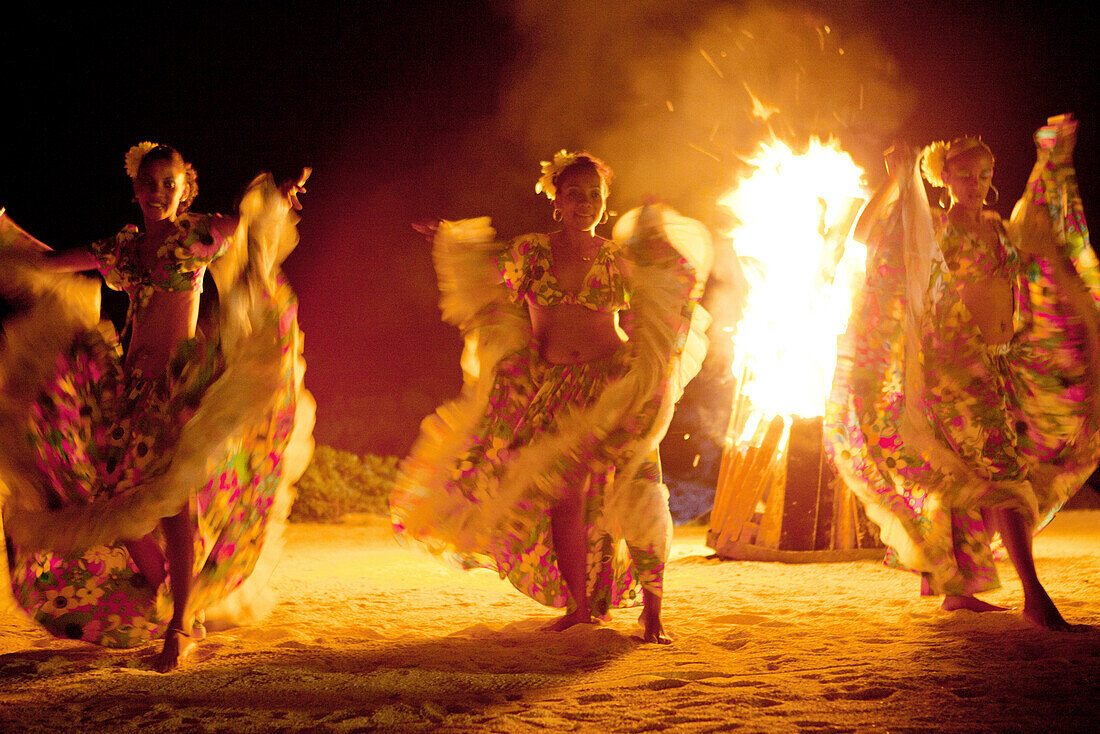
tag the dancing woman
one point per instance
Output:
(145, 485)
(577, 347)
(965, 401)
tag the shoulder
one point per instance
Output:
(530, 241)
(993, 220)
(610, 249)
(195, 242)
(111, 246)
(197, 226)
(527, 248)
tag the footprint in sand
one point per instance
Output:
(731, 682)
(746, 619)
(595, 698)
(840, 677)
(664, 684)
(690, 675)
(292, 645)
(967, 693)
(731, 644)
(863, 693)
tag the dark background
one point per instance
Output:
(420, 110)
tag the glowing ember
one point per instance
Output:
(794, 212)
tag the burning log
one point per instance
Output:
(779, 500)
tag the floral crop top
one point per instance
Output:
(180, 263)
(527, 267)
(969, 259)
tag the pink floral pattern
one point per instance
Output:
(527, 267)
(1008, 426)
(528, 397)
(102, 433)
(458, 491)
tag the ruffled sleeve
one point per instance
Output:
(514, 264)
(199, 243)
(109, 257)
(668, 259)
(474, 294)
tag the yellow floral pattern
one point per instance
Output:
(100, 432)
(1006, 426)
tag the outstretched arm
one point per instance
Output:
(226, 225)
(14, 236)
(899, 158)
(65, 261)
(69, 261)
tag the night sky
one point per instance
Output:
(419, 110)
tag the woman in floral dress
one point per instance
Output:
(146, 485)
(965, 402)
(577, 348)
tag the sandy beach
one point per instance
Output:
(369, 636)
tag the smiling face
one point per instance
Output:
(160, 186)
(581, 198)
(968, 177)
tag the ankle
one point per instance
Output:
(1035, 594)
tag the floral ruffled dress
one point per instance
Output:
(927, 423)
(95, 453)
(478, 483)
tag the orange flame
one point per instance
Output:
(794, 212)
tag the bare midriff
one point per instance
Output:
(570, 333)
(167, 319)
(990, 302)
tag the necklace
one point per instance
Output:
(583, 258)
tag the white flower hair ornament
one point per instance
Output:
(135, 155)
(932, 160)
(550, 170)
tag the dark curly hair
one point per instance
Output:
(170, 154)
(586, 163)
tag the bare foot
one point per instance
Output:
(577, 616)
(654, 630)
(651, 619)
(1039, 609)
(970, 603)
(176, 648)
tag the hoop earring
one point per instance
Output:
(605, 217)
(945, 200)
(996, 196)
(557, 215)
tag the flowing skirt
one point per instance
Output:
(478, 484)
(95, 454)
(929, 426)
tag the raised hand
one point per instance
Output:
(292, 187)
(899, 158)
(1059, 136)
(1031, 230)
(427, 229)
